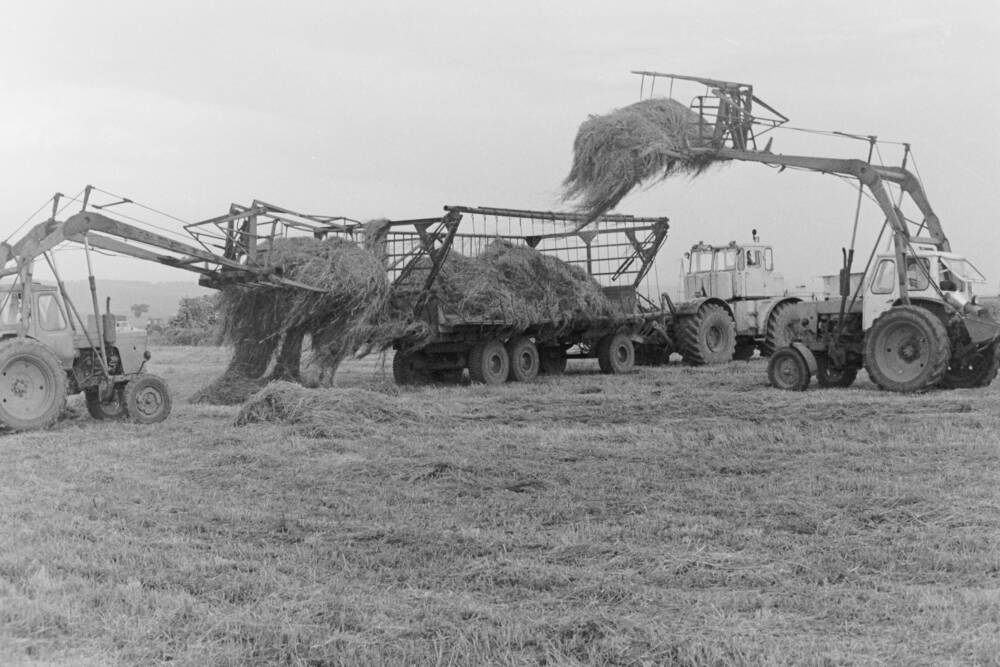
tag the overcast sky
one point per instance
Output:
(370, 109)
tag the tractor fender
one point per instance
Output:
(979, 325)
(694, 305)
(807, 354)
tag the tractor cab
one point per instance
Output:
(731, 272)
(931, 275)
(43, 317)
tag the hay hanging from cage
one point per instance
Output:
(266, 325)
(647, 141)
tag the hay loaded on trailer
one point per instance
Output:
(508, 294)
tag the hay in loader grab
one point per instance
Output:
(267, 325)
(615, 152)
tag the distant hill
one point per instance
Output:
(161, 297)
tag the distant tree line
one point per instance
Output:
(196, 323)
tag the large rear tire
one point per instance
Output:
(907, 349)
(147, 399)
(489, 363)
(524, 361)
(32, 385)
(976, 369)
(780, 330)
(615, 354)
(708, 336)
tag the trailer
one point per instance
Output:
(618, 251)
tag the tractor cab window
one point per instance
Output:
(702, 261)
(50, 317)
(727, 258)
(768, 259)
(884, 281)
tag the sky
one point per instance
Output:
(394, 109)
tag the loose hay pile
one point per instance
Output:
(507, 284)
(324, 413)
(267, 325)
(615, 152)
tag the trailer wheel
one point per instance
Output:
(976, 369)
(788, 370)
(615, 354)
(708, 336)
(147, 399)
(489, 363)
(113, 408)
(524, 360)
(830, 376)
(410, 368)
(781, 328)
(32, 385)
(551, 360)
(907, 349)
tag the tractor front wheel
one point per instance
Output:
(147, 399)
(907, 349)
(113, 408)
(831, 376)
(787, 369)
(977, 368)
(32, 385)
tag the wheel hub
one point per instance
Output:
(19, 387)
(713, 338)
(148, 401)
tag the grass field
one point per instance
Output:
(688, 516)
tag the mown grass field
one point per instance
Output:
(673, 516)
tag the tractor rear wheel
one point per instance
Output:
(32, 385)
(489, 363)
(147, 399)
(708, 336)
(976, 369)
(907, 349)
(113, 408)
(788, 370)
(831, 376)
(551, 360)
(615, 354)
(780, 330)
(524, 360)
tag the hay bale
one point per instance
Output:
(260, 321)
(324, 413)
(613, 153)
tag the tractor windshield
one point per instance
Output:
(964, 269)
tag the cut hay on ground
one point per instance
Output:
(324, 413)
(645, 141)
(267, 325)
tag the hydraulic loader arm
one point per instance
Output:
(100, 231)
(872, 176)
